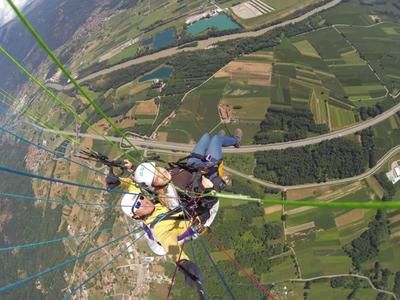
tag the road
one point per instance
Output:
(343, 275)
(149, 144)
(141, 143)
(203, 44)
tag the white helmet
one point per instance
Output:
(127, 203)
(144, 173)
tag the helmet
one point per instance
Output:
(127, 203)
(144, 173)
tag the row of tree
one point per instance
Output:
(334, 159)
(287, 125)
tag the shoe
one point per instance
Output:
(237, 134)
(221, 132)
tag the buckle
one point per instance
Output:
(210, 158)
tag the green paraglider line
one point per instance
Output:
(67, 73)
(300, 203)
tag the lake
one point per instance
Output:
(220, 22)
(161, 39)
(161, 73)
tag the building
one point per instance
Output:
(207, 14)
(394, 174)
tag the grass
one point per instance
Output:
(284, 270)
(243, 162)
(323, 290)
(248, 108)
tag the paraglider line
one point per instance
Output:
(60, 266)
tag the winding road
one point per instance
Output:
(394, 296)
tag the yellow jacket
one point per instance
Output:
(166, 231)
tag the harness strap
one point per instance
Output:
(163, 216)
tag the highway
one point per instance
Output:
(203, 44)
(153, 144)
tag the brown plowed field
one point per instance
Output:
(349, 217)
(253, 73)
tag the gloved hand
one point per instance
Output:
(112, 181)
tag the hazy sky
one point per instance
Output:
(6, 13)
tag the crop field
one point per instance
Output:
(306, 48)
(359, 82)
(379, 44)
(340, 117)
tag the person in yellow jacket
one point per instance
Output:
(166, 230)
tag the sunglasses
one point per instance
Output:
(137, 203)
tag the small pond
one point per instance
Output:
(161, 73)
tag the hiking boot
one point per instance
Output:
(221, 132)
(237, 134)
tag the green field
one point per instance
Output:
(198, 112)
(243, 162)
(282, 270)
